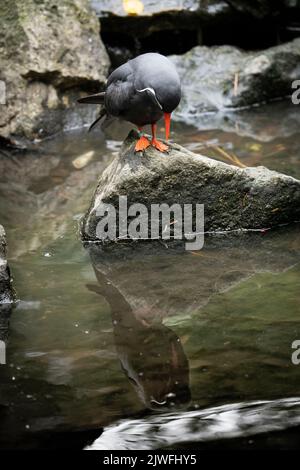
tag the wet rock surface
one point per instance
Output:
(47, 51)
(233, 198)
(6, 291)
(223, 78)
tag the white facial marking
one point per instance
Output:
(153, 93)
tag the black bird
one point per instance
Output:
(140, 91)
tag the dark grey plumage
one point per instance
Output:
(140, 91)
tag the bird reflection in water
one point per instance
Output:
(151, 354)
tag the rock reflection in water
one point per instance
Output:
(5, 312)
(151, 354)
(161, 283)
(148, 293)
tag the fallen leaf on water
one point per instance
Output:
(83, 160)
(255, 147)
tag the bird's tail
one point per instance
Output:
(104, 119)
(98, 98)
(102, 116)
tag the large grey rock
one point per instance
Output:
(223, 78)
(233, 198)
(48, 49)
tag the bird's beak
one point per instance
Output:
(167, 124)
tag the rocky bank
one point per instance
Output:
(49, 50)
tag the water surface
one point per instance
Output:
(142, 344)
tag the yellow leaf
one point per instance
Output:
(255, 147)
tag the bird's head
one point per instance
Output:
(165, 94)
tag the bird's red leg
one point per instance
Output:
(158, 145)
(142, 143)
(167, 117)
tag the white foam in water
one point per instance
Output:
(227, 421)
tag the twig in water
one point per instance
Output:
(232, 158)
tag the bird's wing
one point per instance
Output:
(118, 95)
(120, 90)
(120, 74)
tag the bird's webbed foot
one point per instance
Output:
(159, 145)
(142, 144)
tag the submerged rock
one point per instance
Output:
(48, 49)
(224, 78)
(234, 198)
